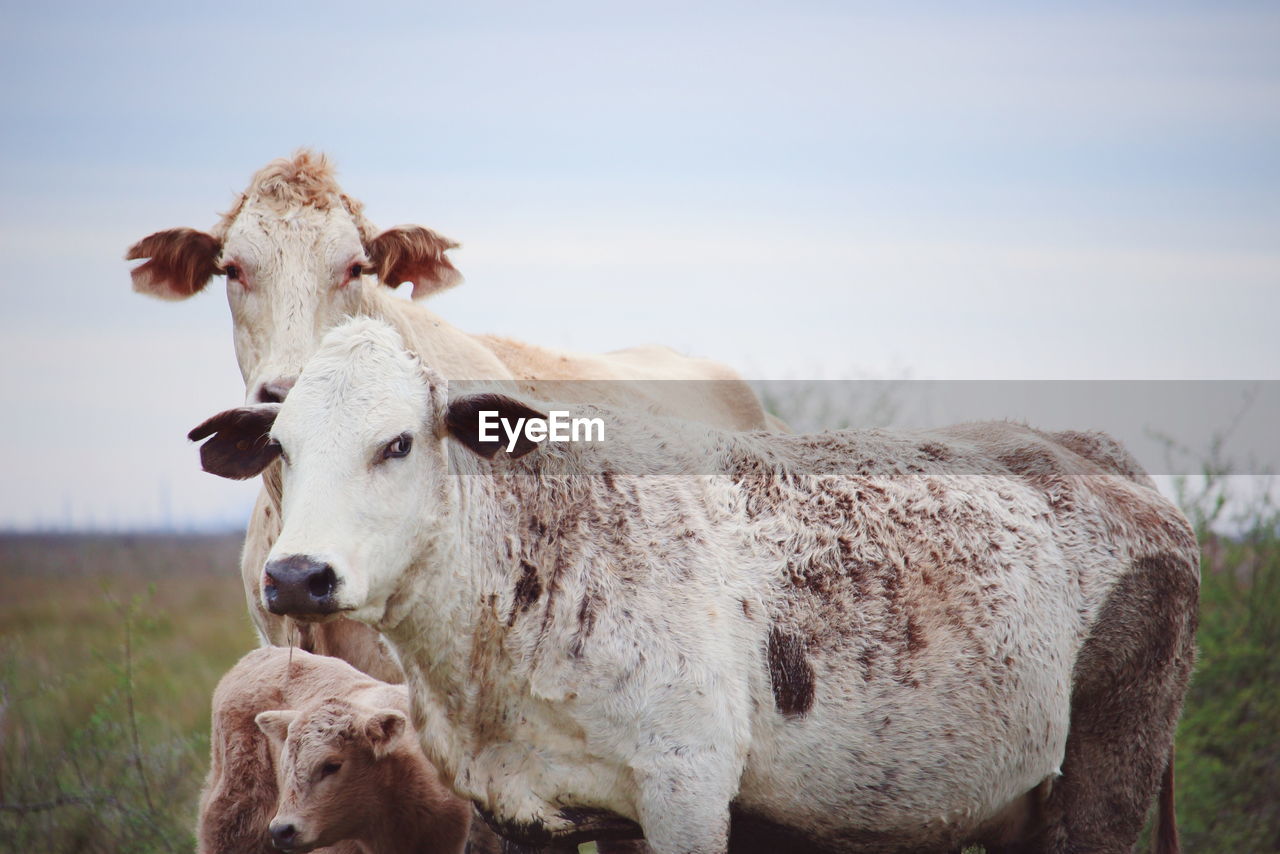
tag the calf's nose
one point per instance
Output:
(276, 390)
(283, 835)
(299, 585)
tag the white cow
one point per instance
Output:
(852, 641)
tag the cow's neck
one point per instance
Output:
(453, 580)
(410, 820)
(454, 353)
(448, 624)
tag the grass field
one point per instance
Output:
(110, 647)
(109, 651)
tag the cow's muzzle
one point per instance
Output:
(276, 390)
(299, 586)
(285, 837)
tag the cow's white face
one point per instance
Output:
(298, 256)
(290, 279)
(367, 488)
(364, 468)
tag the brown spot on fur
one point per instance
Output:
(1032, 462)
(586, 623)
(867, 658)
(527, 591)
(489, 723)
(916, 640)
(790, 674)
(935, 452)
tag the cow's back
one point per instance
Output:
(931, 610)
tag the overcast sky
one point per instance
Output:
(1077, 191)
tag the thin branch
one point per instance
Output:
(133, 718)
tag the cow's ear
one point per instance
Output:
(275, 724)
(411, 253)
(467, 414)
(382, 728)
(182, 261)
(241, 446)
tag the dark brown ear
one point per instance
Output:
(241, 446)
(183, 261)
(411, 253)
(463, 423)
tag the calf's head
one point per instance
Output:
(298, 256)
(332, 770)
(367, 485)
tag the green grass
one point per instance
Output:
(109, 651)
(1228, 756)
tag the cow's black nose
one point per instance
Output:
(275, 391)
(298, 585)
(283, 835)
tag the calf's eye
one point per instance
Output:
(231, 271)
(356, 271)
(329, 768)
(398, 447)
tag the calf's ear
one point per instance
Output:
(383, 728)
(182, 261)
(241, 446)
(411, 253)
(275, 724)
(463, 421)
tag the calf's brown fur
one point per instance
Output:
(241, 792)
(350, 769)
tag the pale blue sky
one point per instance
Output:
(816, 189)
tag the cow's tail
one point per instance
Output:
(1166, 840)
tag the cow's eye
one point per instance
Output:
(356, 271)
(232, 272)
(329, 768)
(398, 447)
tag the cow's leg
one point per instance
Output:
(1127, 693)
(684, 809)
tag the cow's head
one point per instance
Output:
(365, 440)
(331, 772)
(298, 256)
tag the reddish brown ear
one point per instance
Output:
(463, 423)
(411, 253)
(183, 261)
(241, 446)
